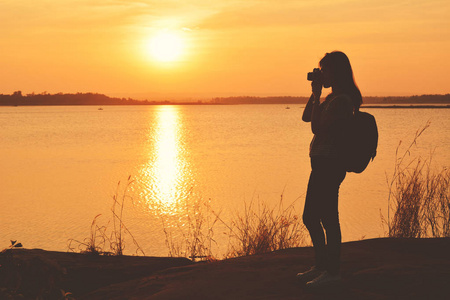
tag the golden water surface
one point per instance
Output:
(61, 165)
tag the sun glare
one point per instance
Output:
(166, 177)
(166, 46)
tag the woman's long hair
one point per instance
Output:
(341, 70)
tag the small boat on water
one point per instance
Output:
(100, 108)
(287, 107)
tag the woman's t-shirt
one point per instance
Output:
(335, 112)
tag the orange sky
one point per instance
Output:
(251, 47)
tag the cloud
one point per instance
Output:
(74, 15)
(266, 13)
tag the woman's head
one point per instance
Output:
(339, 75)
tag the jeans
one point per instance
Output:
(321, 211)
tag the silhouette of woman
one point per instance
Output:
(328, 122)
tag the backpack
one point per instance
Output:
(361, 140)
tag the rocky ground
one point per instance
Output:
(371, 269)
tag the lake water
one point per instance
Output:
(61, 165)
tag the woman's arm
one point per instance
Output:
(316, 118)
(307, 112)
(316, 111)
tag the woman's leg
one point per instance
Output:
(333, 248)
(321, 208)
(311, 219)
(330, 215)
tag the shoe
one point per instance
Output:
(309, 275)
(324, 280)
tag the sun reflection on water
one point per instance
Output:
(166, 177)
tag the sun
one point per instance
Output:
(166, 46)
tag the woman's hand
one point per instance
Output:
(316, 89)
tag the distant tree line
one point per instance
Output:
(18, 99)
(259, 100)
(422, 99)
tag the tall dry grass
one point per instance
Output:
(257, 229)
(261, 229)
(190, 232)
(107, 240)
(419, 196)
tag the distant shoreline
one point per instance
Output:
(406, 106)
(60, 99)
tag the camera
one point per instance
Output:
(315, 75)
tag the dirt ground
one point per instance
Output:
(371, 269)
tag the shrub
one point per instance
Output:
(419, 196)
(105, 241)
(263, 229)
